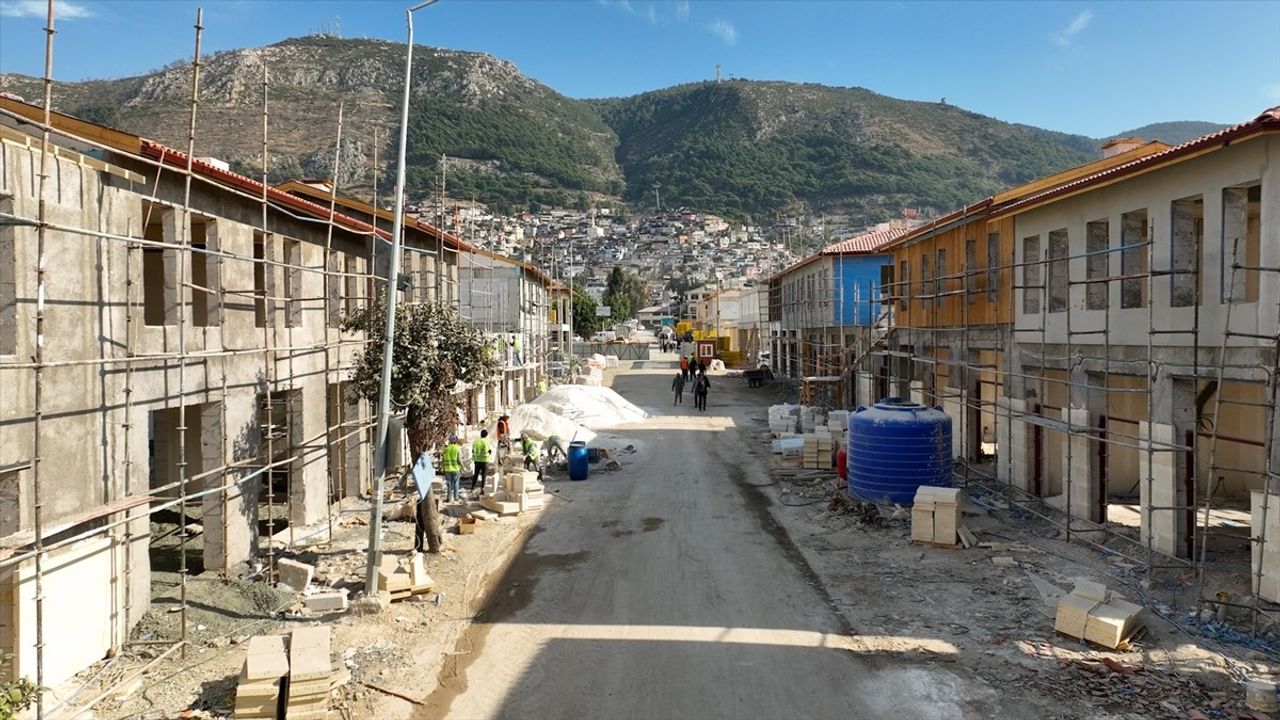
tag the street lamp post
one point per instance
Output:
(384, 397)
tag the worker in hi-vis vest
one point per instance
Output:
(451, 466)
(480, 458)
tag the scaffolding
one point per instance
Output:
(200, 370)
(1067, 415)
(1073, 369)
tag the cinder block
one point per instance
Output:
(1112, 623)
(297, 575)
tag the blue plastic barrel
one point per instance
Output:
(895, 446)
(577, 460)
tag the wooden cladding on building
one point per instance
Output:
(956, 277)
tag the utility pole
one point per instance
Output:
(384, 396)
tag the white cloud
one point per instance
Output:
(653, 13)
(62, 9)
(644, 11)
(724, 30)
(1077, 24)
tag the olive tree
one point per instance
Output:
(433, 351)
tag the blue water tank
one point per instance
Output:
(577, 460)
(895, 446)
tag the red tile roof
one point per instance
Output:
(1269, 120)
(867, 243)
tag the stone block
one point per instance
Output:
(922, 524)
(1111, 623)
(946, 522)
(297, 575)
(327, 601)
(1073, 615)
(266, 658)
(1091, 590)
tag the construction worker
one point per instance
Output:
(529, 449)
(504, 433)
(480, 458)
(451, 466)
(677, 386)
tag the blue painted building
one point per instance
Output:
(825, 303)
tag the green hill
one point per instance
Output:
(762, 147)
(740, 148)
(1173, 133)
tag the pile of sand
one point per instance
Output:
(590, 406)
(542, 423)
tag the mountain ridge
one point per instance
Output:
(743, 148)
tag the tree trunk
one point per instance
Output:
(420, 440)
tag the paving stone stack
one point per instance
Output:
(817, 449)
(935, 515)
(310, 674)
(261, 678)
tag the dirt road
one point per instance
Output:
(667, 590)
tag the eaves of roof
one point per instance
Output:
(963, 216)
(1267, 122)
(871, 243)
(179, 159)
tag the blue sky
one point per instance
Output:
(1094, 68)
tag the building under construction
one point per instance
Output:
(170, 350)
(1107, 343)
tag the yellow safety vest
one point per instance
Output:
(451, 458)
(480, 450)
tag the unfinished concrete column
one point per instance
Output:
(239, 525)
(1015, 454)
(172, 229)
(308, 481)
(1162, 466)
(952, 402)
(866, 389)
(1083, 474)
(917, 392)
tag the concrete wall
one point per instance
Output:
(1249, 162)
(102, 417)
